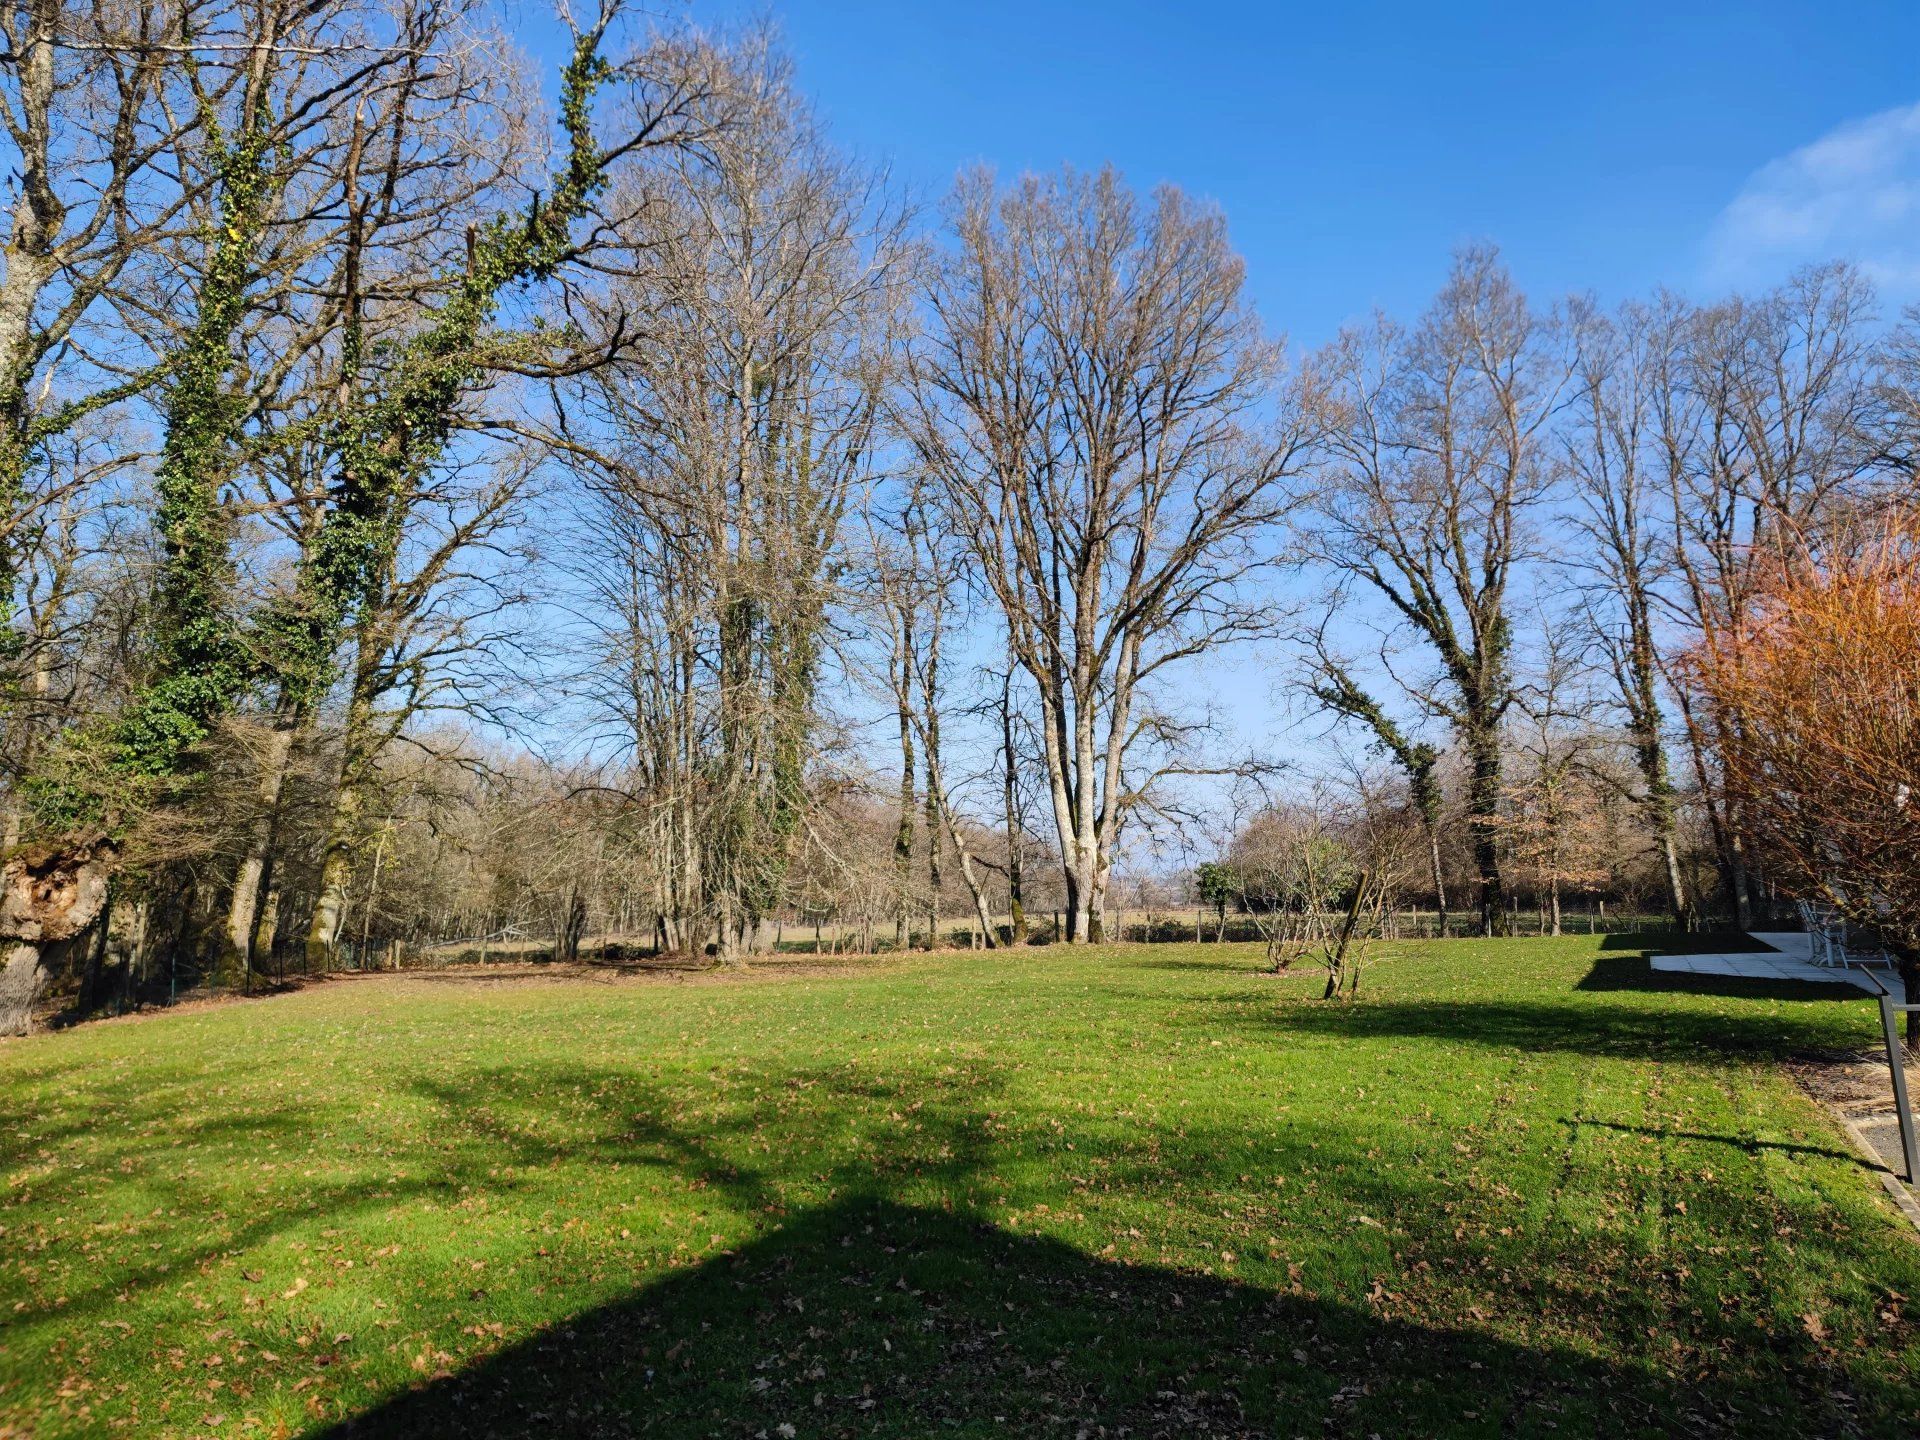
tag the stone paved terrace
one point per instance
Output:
(1788, 956)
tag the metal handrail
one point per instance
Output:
(1897, 1067)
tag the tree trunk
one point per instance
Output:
(936, 793)
(1010, 803)
(138, 960)
(1337, 960)
(1439, 879)
(903, 829)
(90, 977)
(1483, 812)
(1676, 887)
(978, 892)
(243, 906)
(37, 218)
(358, 747)
(21, 982)
(266, 929)
(336, 871)
(1720, 819)
(726, 940)
(1097, 904)
(1081, 909)
(1659, 807)
(1737, 883)
(373, 900)
(24, 722)
(935, 879)
(572, 928)
(48, 894)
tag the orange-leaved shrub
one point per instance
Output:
(1816, 695)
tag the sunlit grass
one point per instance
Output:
(1517, 1185)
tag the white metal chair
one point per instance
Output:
(1826, 933)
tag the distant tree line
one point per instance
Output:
(440, 522)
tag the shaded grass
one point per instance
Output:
(1518, 1186)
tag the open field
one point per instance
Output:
(854, 937)
(1517, 1188)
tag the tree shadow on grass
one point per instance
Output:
(1748, 1143)
(907, 1320)
(1249, 961)
(1555, 1023)
(1623, 972)
(1249, 957)
(1678, 942)
(872, 1318)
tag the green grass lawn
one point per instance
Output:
(1517, 1188)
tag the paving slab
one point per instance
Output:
(1788, 956)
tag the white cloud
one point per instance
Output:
(1853, 194)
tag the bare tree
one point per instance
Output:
(105, 779)
(431, 638)
(1441, 453)
(368, 232)
(724, 453)
(58, 888)
(1631, 435)
(1898, 393)
(1556, 799)
(1317, 874)
(1013, 758)
(672, 88)
(1332, 682)
(917, 585)
(1784, 439)
(92, 98)
(1095, 401)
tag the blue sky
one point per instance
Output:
(1612, 147)
(1353, 147)
(1604, 146)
